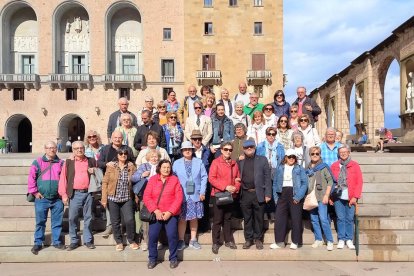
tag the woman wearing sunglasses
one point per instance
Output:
(161, 116)
(174, 135)
(293, 120)
(310, 134)
(320, 180)
(93, 144)
(289, 189)
(280, 105)
(284, 133)
(117, 195)
(269, 117)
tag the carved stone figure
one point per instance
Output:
(410, 94)
(77, 22)
(67, 30)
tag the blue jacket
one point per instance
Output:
(168, 138)
(281, 109)
(300, 182)
(198, 175)
(228, 132)
(277, 149)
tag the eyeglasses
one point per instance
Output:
(80, 148)
(249, 147)
(123, 153)
(271, 134)
(161, 106)
(227, 149)
(315, 154)
(283, 121)
(172, 95)
(269, 108)
(196, 139)
(293, 111)
(187, 149)
(148, 101)
(291, 156)
(279, 95)
(51, 148)
(93, 136)
(303, 120)
(192, 91)
(173, 117)
(197, 107)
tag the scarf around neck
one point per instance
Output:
(342, 178)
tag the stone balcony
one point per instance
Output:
(259, 76)
(116, 81)
(63, 81)
(167, 78)
(28, 81)
(205, 77)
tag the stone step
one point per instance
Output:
(371, 237)
(13, 179)
(370, 253)
(14, 171)
(388, 177)
(387, 188)
(386, 210)
(382, 198)
(399, 168)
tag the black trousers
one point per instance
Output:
(127, 210)
(253, 214)
(222, 219)
(284, 207)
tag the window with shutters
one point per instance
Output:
(28, 64)
(258, 3)
(209, 62)
(167, 70)
(208, 28)
(258, 28)
(78, 64)
(232, 3)
(166, 34)
(258, 62)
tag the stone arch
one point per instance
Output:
(123, 37)
(18, 34)
(348, 88)
(19, 133)
(382, 74)
(71, 127)
(70, 34)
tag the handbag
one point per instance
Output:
(144, 214)
(336, 193)
(310, 202)
(224, 198)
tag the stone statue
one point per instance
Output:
(77, 22)
(67, 30)
(410, 94)
(359, 102)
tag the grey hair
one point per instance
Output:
(227, 143)
(80, 143)
(344, 146)
(199, 103)
(50, 143)
(297, 134)
(148, 112)
(330, 129)
(123, 115)
(239, 103)
(240, 125)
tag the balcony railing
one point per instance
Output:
(167, 78)
(28, 81)
(123, 80)
(206, 75)
(70, 80)
(259, 75)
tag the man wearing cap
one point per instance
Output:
(115, 118)
(149, 105)
(199, 121)
(187, 105)
(256, 191)
(200, 151)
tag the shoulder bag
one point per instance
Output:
(310, 202)
(225, 198)
(145, 214)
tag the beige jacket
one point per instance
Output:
(110, 181)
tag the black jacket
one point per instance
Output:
(142, 130)
(316, 110)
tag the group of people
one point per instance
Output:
(177, 157)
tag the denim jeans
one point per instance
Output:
(80, 201)
(320, 217)
(171, 227)
(345, 219)
(42, 207)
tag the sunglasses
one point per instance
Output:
(269, 108)
(227, 149)
(161, 106)
(173, 117)
(271, 134)
(123, 153)
(293, 111)
(196, 139)
(291, 156)
(187, 149)
(92, 136)
(315, 154)
(197, 107)
(279, 95)
(249, 147)
(283, 121)
(303, 120)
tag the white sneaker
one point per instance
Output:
(317, 243)
(293, 246)
(274, 246)
(350, 244)
(144, 246)
(340, 244)
(329, 246)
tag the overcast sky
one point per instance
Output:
(322, 37)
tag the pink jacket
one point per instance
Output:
(354, 178)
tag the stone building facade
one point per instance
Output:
(64, 64)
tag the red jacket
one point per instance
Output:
(171, 198)
(220, 175)
(354, 177)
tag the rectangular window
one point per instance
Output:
(18, 94)
(124, 93)
(28, 64)
(208, 28)
(258, 3)
(78, 64)
(258, 28)
(258, 62)
(71, 94)
(232, 3)
(128, 65)
(167, 70)
(209, 62)
(166, 34)
(208, 3)
(165, 91)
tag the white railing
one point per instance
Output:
(259, 74)
(209, 74)
(123, 78)
(66, 78)
(10, 78)
(167, 78)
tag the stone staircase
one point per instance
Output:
(386, 222)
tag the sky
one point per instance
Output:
(322, 37)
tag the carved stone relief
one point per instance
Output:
(127, 44)
(25, 44)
